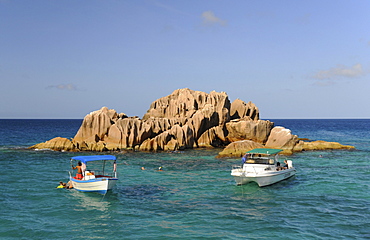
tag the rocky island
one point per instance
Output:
(182, 120)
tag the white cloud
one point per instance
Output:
(69, 87)
(209, 18)
(340, 71)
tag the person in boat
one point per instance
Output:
(245, 157)
(278, 167)
(160, 169)
(79, 170)
(285, 164)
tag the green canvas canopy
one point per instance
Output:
(267, 151)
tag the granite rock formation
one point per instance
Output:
(238, 149)
(282, 138)
(182, 120)
(56, 144)
(256, 130)
(319, 145)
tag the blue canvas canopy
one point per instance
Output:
(85, 159)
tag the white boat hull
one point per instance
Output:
(262, 178)
(100, 185)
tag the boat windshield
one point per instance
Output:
(257, 159)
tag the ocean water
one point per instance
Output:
(193, 198)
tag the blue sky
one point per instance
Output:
(293, 59)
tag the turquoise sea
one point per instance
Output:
(193, 198)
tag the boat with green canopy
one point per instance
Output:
(261, 165)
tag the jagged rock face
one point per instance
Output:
(182, 104)
(96, 124)
(213, 137)
(182, 120)
(177, 138)
(93, 129)
(257, 131)
(240, 109)
(195, 110)
(127, 133)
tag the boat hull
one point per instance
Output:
(262, 179)
(100, 185)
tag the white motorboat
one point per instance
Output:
(261, 165)
(98, 173)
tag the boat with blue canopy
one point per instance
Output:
(261, 165)
(96, 173)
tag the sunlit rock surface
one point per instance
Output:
(182, 120)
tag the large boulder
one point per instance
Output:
(319, 145)
(238, 149)
(282, 138)
(245, 129)
(56, 144)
